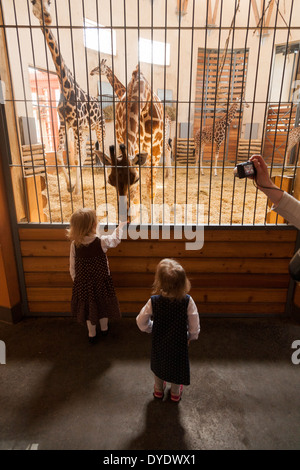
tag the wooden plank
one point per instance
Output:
(63, 294)
(133, 308)
(129, 279)
(251, 234)
(136, 249)
(210, 265)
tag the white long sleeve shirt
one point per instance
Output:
(289, 208)
(145, 323)
(107, 241)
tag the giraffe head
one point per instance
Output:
(99, 70)
(41, 9)
(122, 174)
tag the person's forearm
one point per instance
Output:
(273, 193)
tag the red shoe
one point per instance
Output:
(177, 397)
(158, 394)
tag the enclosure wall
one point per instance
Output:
(238, 272)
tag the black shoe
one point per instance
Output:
(104, 333)
(93, 339)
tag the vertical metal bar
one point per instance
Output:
(252, 114)
(190, 99)
(214, 118)
(39, 110)
(126, 69)
(242, 96)
(177, 100)
(203, 102)
(268, 94)
(76, 104)
(15, 117)
(88, 104)
(229, 100)
(281, 88)
(164, 113)
(101, 106)
(66, 130)
(25, 103)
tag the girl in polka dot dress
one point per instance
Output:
(172, 317)
(93, 295)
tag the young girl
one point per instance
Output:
(93, 295)
(172, 317)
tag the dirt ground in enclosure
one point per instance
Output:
(225, 199)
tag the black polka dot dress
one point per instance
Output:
(169, 353)
(93, 295)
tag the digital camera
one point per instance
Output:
(244, 170)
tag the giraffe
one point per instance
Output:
(120, 91)
(215, 133)
(122, 172)
(293, 139)
(76, 109)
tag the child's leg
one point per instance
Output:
(91, 329)
(103, 324)
(158, 384)
(175, 389)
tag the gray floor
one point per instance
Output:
(59, 392)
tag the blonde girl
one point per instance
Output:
(172, 317)
(93, 294)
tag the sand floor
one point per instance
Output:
(223, 199)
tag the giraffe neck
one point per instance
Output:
(63, 73)
(117, 86)
(231, 113)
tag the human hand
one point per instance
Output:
(263, 180)
(262, 177)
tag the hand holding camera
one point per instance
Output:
(256, 169)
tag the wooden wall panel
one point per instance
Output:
(238, 272)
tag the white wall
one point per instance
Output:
(177, 76)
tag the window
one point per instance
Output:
(45, 93)
(165, 95)
(98, 38)
(154, 52)
(107, 94)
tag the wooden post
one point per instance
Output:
(36, 202)
(10, 297)
(11, 118)
(284, 183)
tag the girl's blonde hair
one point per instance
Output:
(82, 223)
(171, 280)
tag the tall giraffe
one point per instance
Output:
(76, 109)
(120, 91)
(215, 133)
(294, 138)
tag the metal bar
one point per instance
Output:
(189, 111)
(26, 109)
(39, 110)
(88, 104)
(66, 130)
(242, 96)
(101, 105)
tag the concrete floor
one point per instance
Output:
(59, 392)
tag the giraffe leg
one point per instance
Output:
(60, 158)
(216, 160)
(80, 156)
